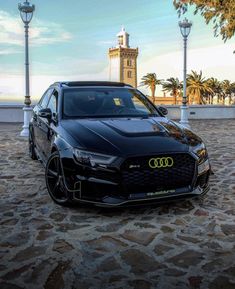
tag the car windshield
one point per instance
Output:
(106, 102)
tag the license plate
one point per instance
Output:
(152, 194)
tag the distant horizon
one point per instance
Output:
(76, 48)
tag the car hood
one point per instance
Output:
(130, 136)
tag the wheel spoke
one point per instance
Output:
(55, 180)
(52, 174)
(55, 187)
(57, 165)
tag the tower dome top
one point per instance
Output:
(122, 32)
(123, 38)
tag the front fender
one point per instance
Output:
(69, 166)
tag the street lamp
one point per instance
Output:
(26, 13)
(185, 28)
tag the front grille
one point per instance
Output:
(104, 175)
(141, 178)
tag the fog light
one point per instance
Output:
(203, 167)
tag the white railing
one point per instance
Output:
(203, 111)
(14, 112)
(11, 113)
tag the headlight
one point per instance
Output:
(200, 151)
(91, 158)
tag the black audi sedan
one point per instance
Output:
(105, 143)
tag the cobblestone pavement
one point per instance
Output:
(187, 244)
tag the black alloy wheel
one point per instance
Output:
(55, 181)
(32, 152)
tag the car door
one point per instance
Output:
(48, 127)
(37, 120)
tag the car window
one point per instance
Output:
(44, 100)
(97, 102)
(52, 104)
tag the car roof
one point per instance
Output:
(68, 84)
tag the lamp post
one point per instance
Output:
(26, 13)
(185, 28)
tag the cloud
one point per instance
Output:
(39, 83)
(208, 59)
(105, 43)
(214, 61)
(8, 51)
(41, 32)
(65, 65)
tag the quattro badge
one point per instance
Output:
(164, 162)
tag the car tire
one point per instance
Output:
(32, 152)
(55, 181)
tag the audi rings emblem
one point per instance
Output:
(164, 162)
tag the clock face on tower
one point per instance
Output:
(123, 61)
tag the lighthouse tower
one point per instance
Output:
(123, 60)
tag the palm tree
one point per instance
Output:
(216, 88)
(197, 87)
(174, 86)
(227, 88)
(150, 80)
(233, 91)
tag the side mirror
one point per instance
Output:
(163, 110)
(45, 113)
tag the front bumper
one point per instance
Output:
(115, 201)
(103, 187)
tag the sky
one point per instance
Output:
(69, 40)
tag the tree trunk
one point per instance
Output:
(175, 98)
(197, 98)
(220, 99)
(153, 88)
(223, 100)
